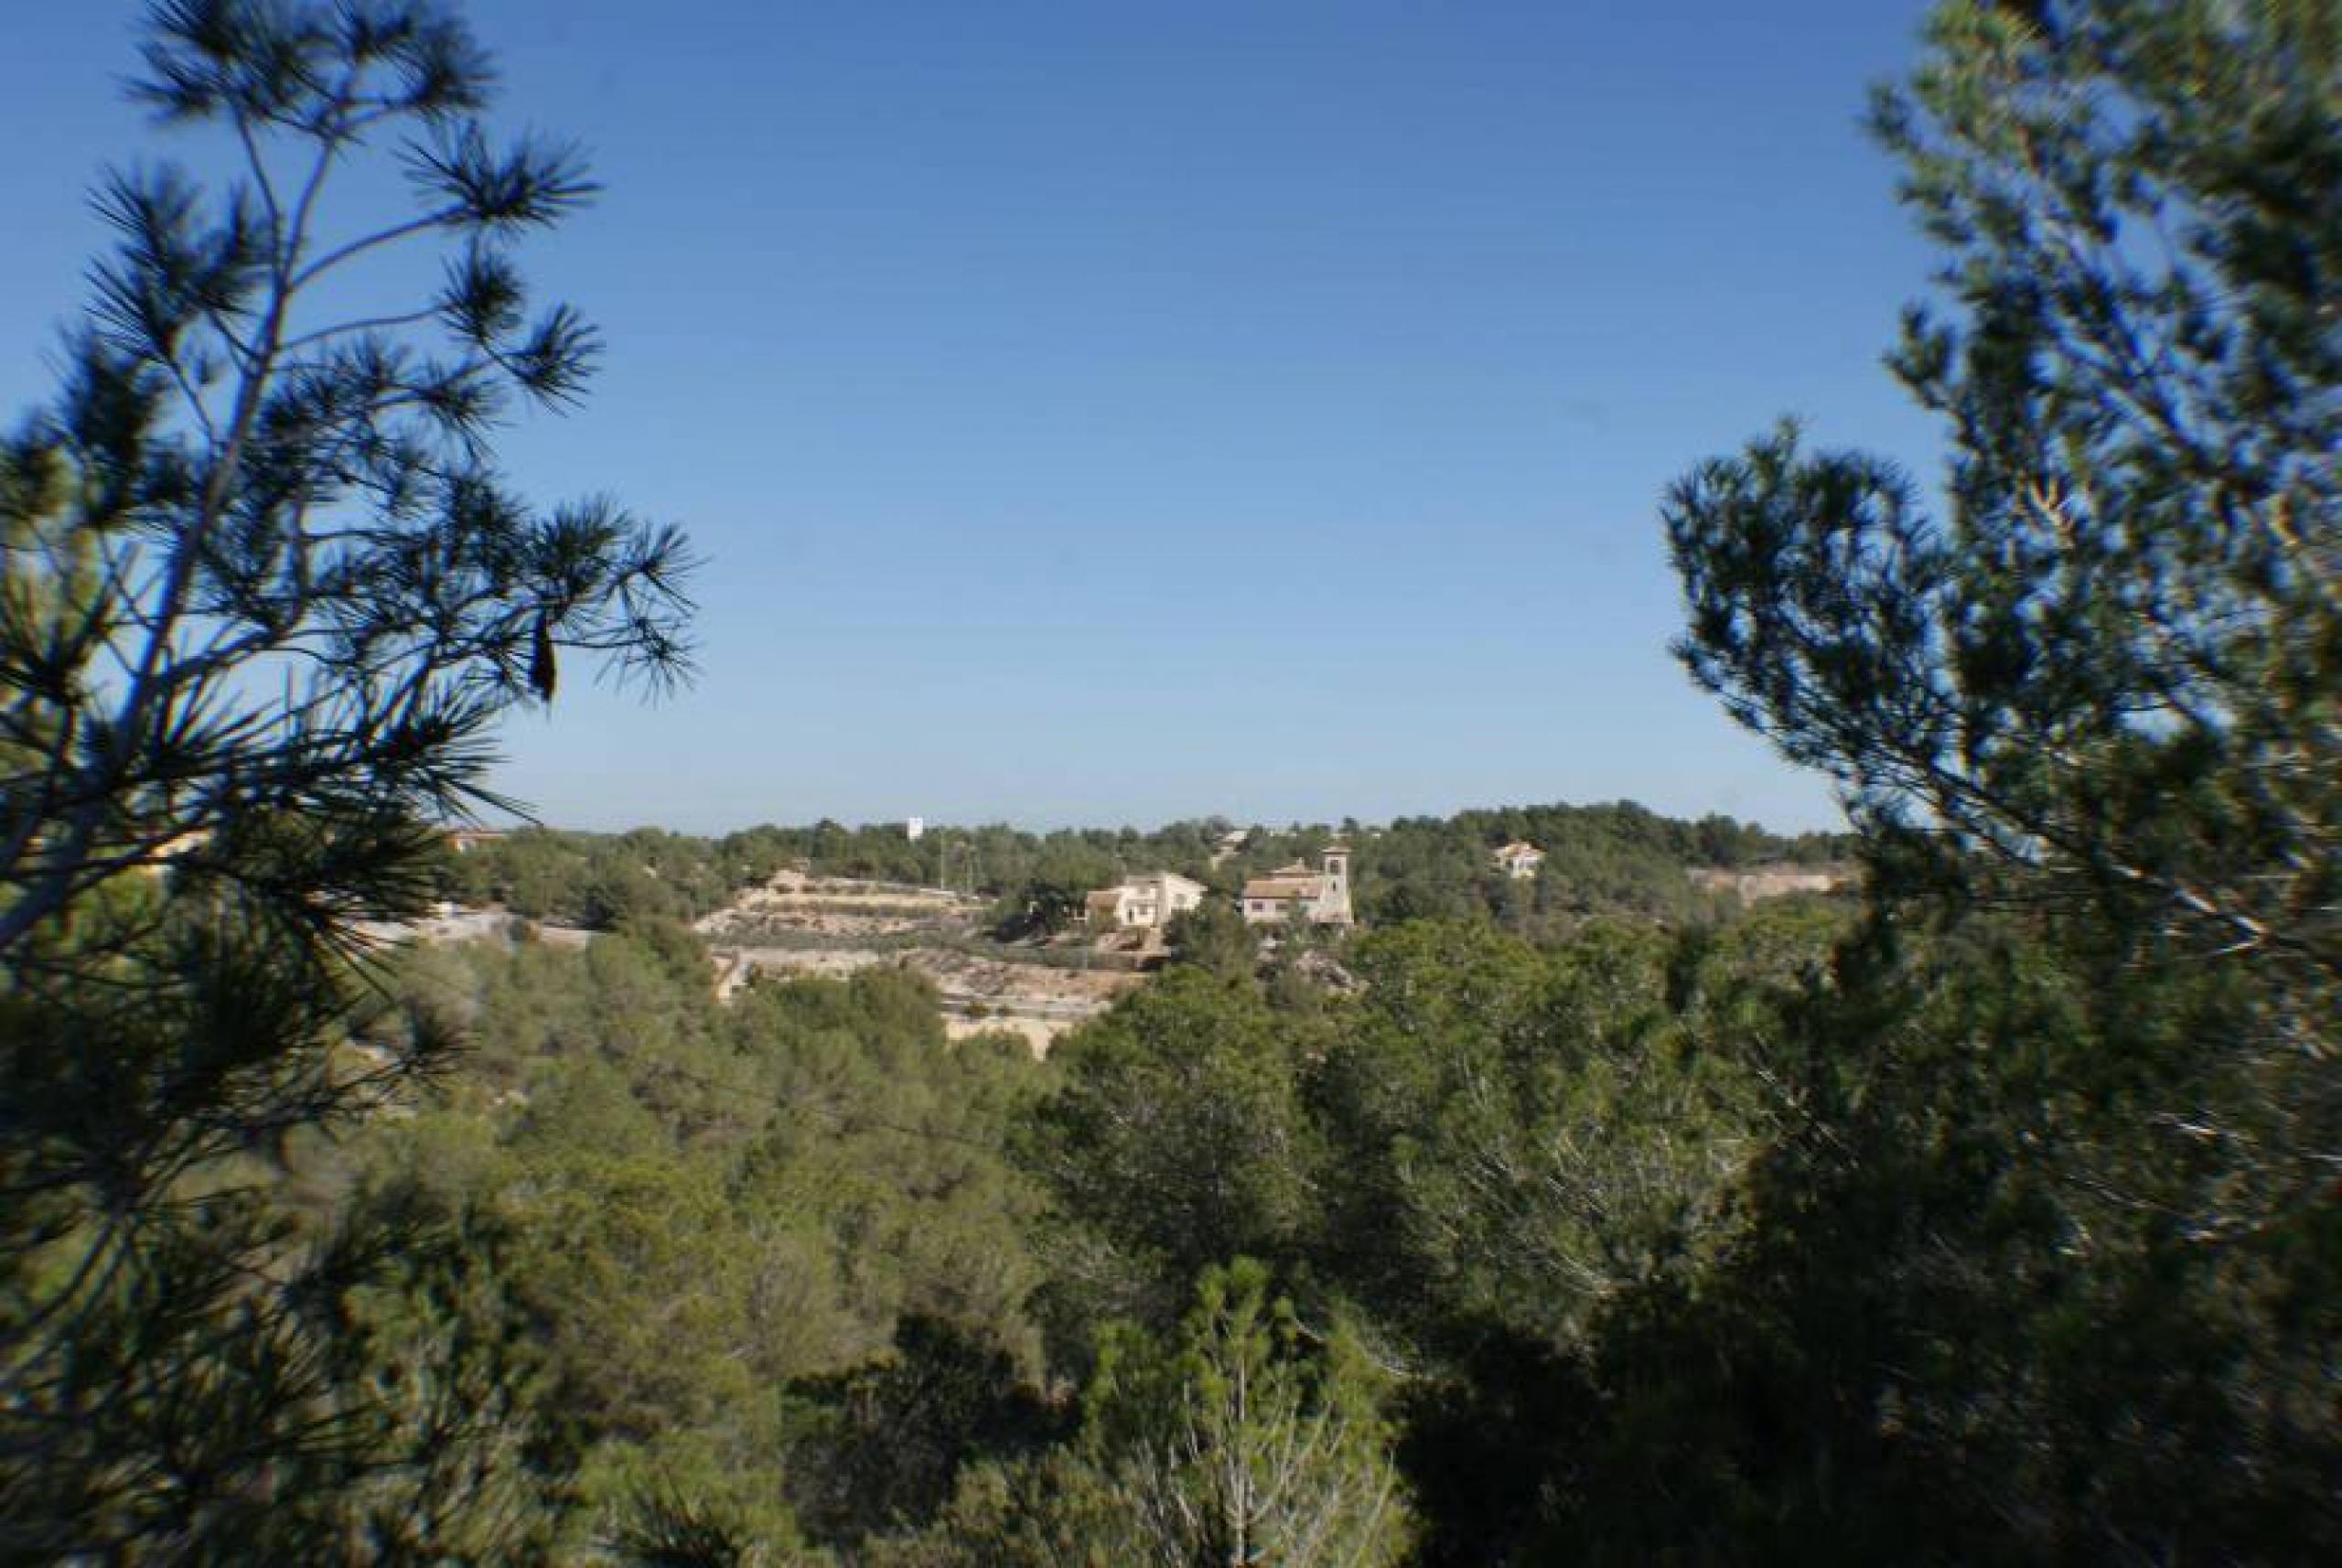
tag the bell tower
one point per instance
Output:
(1334, 904)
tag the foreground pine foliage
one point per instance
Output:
(264, 597)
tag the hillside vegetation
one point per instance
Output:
(1600, 859)
(798, 1267)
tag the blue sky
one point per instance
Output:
(1101, 413)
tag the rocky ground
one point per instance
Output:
(801, 925)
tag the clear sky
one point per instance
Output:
(1100, 413)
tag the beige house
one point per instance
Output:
(1760, 882)
(1143, 902)
(463, 841)
(156, 860)
(1520, 860)
(1321, 897)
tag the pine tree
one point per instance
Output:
(2043, 1263)
(2114, 664)
(263, 597)
(2106, 685)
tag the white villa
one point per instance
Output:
(1322, 898)
(1520, 860)
(1144, 903)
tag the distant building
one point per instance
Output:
(1290, 891)
(1143, 902)
(160, 856)
(1776, 881)
(1520, 860)
(914, 828)
(463, 841)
